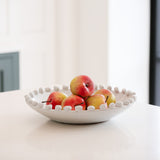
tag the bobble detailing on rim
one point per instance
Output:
(31, 94)
(131, 100)
(126, 102)
(123, 90)
(103, 107)
(116, 90)
(112, 105)
(101, 86)
(119, 104)
(40, 105)
(56, 88)
(109, 88)
(41, 90)
(58, 107)
(47, 89)
(95, 86)
(65, 87)
(91, 108)
(26, 97)
(35, 92)
(67, 108)
(34, 103)
(48, 107)
(78, 108)
(128, 93)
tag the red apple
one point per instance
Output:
(110, 98)
(82, 86)
(74, 101)
(96, 101)
(55, 98)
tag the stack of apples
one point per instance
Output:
(83, 95)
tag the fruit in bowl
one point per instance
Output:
(74, 101)
(96, 100)
(55, 98)
(82, 86)
(110, 98)
(82, 89)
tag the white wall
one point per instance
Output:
(93, 36)
(81, 48)
(128, 45)
(105, 39)
(28, 26)
(59, 39)
(66, 40)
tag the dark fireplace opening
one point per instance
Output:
(155, 53)
(9, 71)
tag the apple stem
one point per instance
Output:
(45, 101)
(81, 103)
(107, 98)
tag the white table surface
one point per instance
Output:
(27, 135)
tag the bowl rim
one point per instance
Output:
(31, 101)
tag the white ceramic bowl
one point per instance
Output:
(124, 99)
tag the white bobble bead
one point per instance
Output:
(91, 108)
(123, 90)
(128, 93)
(118, 104)
(40, 105)
(112, 105)
(134, 97)
(95, 87)
(65, 87)
(41, 90)
(29, 101)
(67, 108)
(31, 94)
(126, 102)
(34, 103)
(78, 108)
(103, 107)
(56, 88)
(26, 100)
(116, 89)
(26, 97)
(47, 89)
(131, 100)
(35, 92)
(101, 86)
(133, 93)
(58, 107)
(109, 88)
(48, 107)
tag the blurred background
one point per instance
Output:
(46, 42)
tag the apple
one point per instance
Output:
(74, 101)
(55, 98)
(96, 100)
(82, 86)
(110, 98)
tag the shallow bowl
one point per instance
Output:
(124, 100)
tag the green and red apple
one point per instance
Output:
(55, 98)
(96, 100)
(74, 101)
(109, 96)
(82, 86)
